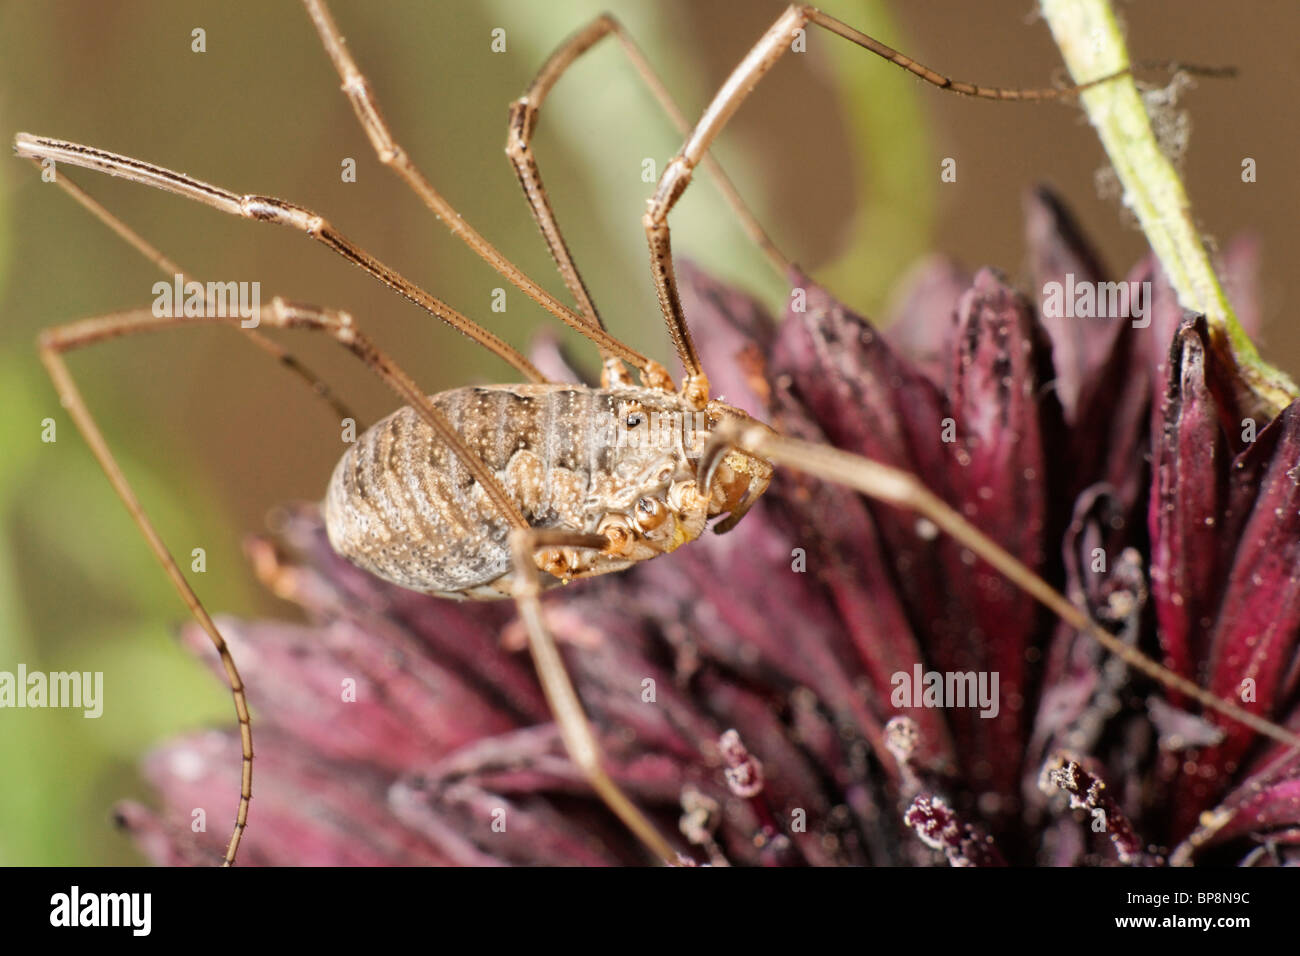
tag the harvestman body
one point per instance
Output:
(615, 463)
(498, 491)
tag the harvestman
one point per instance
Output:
(625, 512)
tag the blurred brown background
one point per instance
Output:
(838, 152)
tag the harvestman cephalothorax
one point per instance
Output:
(514, 494)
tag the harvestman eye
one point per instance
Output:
(355, 501)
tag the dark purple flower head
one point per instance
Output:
(747, 688)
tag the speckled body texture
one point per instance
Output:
(402, 506)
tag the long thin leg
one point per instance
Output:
(288, 315)
(54, 342)
(575, 728)
(170, 268)
(523, 123)
(268, 209)
(904, 490)
(677, 174)
(357, 89)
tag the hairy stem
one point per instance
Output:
(1093, 46)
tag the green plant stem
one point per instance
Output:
(1092, 45)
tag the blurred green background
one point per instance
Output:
(839, 153)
